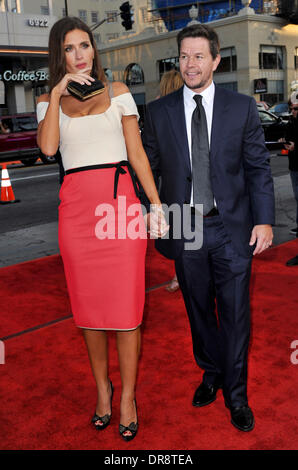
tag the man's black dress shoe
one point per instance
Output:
(204, 394)
(242, 418)
(292, 261)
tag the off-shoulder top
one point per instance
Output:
(95, 138)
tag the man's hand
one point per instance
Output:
(263, 235)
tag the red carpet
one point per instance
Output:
(36, 293)
(47, 392)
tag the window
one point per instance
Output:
(228, 61)
(112, 16)
(266, 117)
(133, 75)
(7, 126)
(275, 92)
(83, 15)
(165, 65)
(233, 86)
(45, 10)
(14, 7)
(271, 57)
(26, 123)
(94, 16)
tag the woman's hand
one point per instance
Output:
(82, 77)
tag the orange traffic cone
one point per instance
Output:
(7, 195)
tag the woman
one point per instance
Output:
(105, 274)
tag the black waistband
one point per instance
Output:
(119, 170)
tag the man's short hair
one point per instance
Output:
(200, 31)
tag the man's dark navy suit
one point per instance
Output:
(243, 190)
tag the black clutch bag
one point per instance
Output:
(83, 92)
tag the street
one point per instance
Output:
(28, 229)
(37, 188)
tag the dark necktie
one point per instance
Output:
(202, 192)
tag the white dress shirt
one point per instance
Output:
(95, 138)
(189, 107)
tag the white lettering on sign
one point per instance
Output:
(38, 22)
(23, 75)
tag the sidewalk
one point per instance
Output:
(28, 244)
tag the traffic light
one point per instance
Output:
(126, 15)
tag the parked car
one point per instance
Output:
(263, 105)
(274, 128)
(18, 139)
(281, 109)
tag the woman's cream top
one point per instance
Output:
(96, 138)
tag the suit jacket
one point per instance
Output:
(239, 164)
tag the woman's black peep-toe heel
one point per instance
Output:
(105, 420)
(132, 428)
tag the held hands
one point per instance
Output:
(263, 235)
(82, 77)
(156, 222)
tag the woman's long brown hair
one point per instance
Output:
(57, 65)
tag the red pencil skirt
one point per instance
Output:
(103, 241)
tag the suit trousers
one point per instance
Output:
(214, 281)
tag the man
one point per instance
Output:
(235, 186)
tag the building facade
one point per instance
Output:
(259, 57)
(259, 51)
